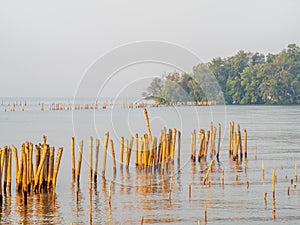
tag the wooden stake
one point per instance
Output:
(24, 182)
(96, 160)
(126, 153)
(147, 122)
(40, 167)
(16, 162)
(79, 163)
(178, 147)
(113, 155)
(273, 182)
(9, 170)
(56, 168)
(121, 151)
(245, 143)
(51, 169)
(130, 150)
(4, 169)
(73, 157)
(219, 141)
(90, 160)
(1, 163)
(136, 137)
(104, 153)
(208, 170)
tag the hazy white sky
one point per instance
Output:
(46, 46)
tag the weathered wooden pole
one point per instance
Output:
(79, 163)
(40, 167)
(1, 162)
(273, 182)
(51, 168)
(96, 160)
(219, 141)
(90, 161)
(9, 170)
(104, 153)
(73, 158)
(178, 147)
(136, 137)
(113, 155)
(121, 151)
(245, 144)
(147, 123)
(24, 182)
(56, 168)
(208, 171)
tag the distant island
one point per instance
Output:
(245, 78)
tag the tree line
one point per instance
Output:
(245, 78)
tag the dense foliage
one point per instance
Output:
(245, 78)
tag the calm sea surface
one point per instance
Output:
(273, 137)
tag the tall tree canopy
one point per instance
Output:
(245, 78)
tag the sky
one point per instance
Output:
(48, 47)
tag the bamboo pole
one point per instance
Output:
(4, 168)
(113, 155)
(104, 153)
(147, 122)
(208, 170)
(1, 163)
(40, 167)
(136, 137)
(130, 150)
(20, 172)
(73, 158)
(126, 153)
(16, 160)
(173, 142)
(240, 142)
(237, 142)
(121, 151)
(51, 167)
(207, 138)
(201, 153)
(56, 168)
(24, 182)
(245, 144)
(30, 171)
(37, 157)
(141, 149)
(232, 137)
(96, 160)
(90, 160)
(154, 146)
(9, 170)
(178, 147)
(79, 163)
(273, 182)
(229, 139)
(219, 141)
